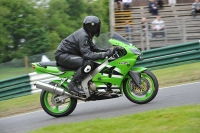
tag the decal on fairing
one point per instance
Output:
(124, 63)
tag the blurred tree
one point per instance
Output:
(37, 42)
(18, 18)
(100, 8)
(5, 37)
(28, 25)
(63, 18)
(66, 16)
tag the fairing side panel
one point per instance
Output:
(116, 70)
(53, 70)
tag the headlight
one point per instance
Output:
(135, 51)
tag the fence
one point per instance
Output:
(176, 31)
(153, 59)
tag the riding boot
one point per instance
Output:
(108, 88)
(72, 86)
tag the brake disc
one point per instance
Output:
(140, 91)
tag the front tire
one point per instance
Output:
(61, 109)
(148, 92)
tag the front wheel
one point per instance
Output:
(57, 108)
(148, 91)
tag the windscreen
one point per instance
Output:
(102, 40)
(118, 37)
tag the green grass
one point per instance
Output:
(178, 74)
(185, 119)
(166, 77)
(20, 105)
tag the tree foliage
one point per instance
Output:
(35, 38)
(29, 27)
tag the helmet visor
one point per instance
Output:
(98, 29)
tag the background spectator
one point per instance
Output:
(118, 4)
(127, 3)
(153, 9)
(158, 25)
(143, 24)
(172, 2)
(128, 29)
(195, 8)
(160, 4)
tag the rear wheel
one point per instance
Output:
(148, 91)
(57, 108)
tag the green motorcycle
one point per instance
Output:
(110, 78)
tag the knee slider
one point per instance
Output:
(87, 67)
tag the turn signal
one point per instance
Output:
(33, 66)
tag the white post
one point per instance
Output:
(147, 35)
(141, 38)
(112, 17)
(184, 31)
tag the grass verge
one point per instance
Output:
(20, 105)
(185, 119)
(166, 77)
(178, 75)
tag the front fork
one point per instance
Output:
(136, 78)
(135, 75)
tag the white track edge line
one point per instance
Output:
(180, 85)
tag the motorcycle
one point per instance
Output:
(111, 78)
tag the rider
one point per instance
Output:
(77, 51)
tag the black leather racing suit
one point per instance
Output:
(75, 50)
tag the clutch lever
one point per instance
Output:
(114, 56)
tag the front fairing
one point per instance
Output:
(119, 67)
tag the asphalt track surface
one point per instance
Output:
(167, 97)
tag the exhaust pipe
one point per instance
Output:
(55, 90)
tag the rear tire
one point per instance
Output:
(147, 93)
(56, 110)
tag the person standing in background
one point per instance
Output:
(144, 23)
(118, 4)
(128, 30)
(160, 3)
(195, 8)
(158, 25)
(153, 9)
(172, 2)
(127, 3)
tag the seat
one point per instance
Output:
(63, 69)
(54, 63)
(50, 63)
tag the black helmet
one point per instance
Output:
(92, 25)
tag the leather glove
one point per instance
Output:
(108, 53)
